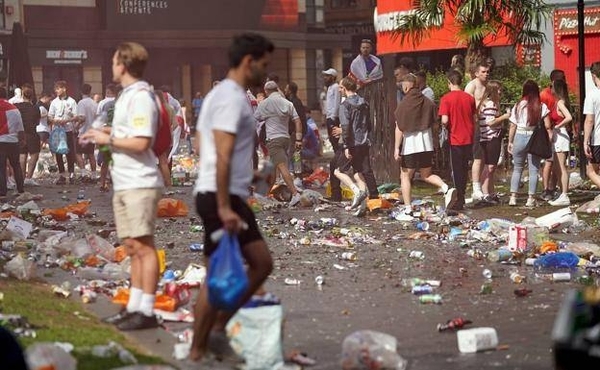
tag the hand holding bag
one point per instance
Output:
(227, 280)
(539, 142)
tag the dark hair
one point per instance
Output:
(251, 44)
(366, 41)
(45, 94)
(27, 93)
(3, 93)
(557, 74)
(531, 94)
(348, 84)
(561, 91)
(406, 62)
(273, 77)
(112, 88)
(455, 77)
(86, 89)
(492, 92)
(421, 74)
(595, 69)
(293, 87)
(165, 88)
(134, 57)
(60, 83)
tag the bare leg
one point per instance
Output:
(23, 163)
(561, 171)
(31, 163)
(344, 179)
(165, 169)
(431, 178)
(406, 175)
(287, 177)
(360, 181)
(488, 179)
(546, 173)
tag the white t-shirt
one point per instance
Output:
(87, 108)
(521, 121)
(591, 105)
(277, 112)
(417, 142)
(63, 109)
(43, 125)
(226, 108)
(135, 115)
(14, 122)
(102, 105)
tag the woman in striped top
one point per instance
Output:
(490, 126)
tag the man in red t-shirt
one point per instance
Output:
(459, 115)
(549, 178)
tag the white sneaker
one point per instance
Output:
(10, 183)
(477, 196)
(450, 198)
(530, 202)
(512, 201)
(31, 182)
(295, 200)
(562, 200)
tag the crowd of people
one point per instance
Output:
(249, 112)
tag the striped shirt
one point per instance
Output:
(487, 114)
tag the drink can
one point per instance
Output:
(319, 280)
(423, 226)
(422, 289)
(530, 261)
(417, 255)
(561, 276)
(517, 278)
(487, 273)
(196, 247)
(349, 256)
(430, 298)
(289, 281)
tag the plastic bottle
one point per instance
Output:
(499, 255)
(422, 290)
(297, 162)
(453, 324)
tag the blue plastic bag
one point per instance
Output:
(227, 280)
(58, 141)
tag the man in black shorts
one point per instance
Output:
(225, 142)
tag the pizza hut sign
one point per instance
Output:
(565, 22)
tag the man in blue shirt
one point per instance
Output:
(196, 106)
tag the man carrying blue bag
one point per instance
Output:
(225, 141)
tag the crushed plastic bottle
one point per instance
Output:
(499, 255)
(557, 261)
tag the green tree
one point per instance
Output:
(519, 20)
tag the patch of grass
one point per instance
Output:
(64, 320)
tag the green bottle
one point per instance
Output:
(430, 298)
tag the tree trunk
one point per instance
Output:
(475, 53)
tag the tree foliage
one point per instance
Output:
(518, 20)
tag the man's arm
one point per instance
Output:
(397, 142)
(445, 120)
(344, 125)
(224, 142)
(588, 126)
(336, 102)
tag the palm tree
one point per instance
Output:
(518, 20)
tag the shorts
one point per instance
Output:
(561, 140)
(32, 144)
(206, 205)
(595, 154)
(361, 161)
(417, 160)
(491, 151)
(135, 211)
(278, 150)
(84, 148)
(44, 136)
(341, 162)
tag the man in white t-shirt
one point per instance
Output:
(225, 135)
(137, 182)
(63, 112)
(591, 127)
(86, 110)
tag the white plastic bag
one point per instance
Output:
(20, 268)
(49, 356)
(256, 335)
(371, 350)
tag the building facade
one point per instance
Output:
(74, 40)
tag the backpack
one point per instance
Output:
(162, 138)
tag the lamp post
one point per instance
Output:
(581, 38)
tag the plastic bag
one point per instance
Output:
(58, 141)
(371, 350)
(256, 336)
(20, 268)
(162, 302)
(101, 247)
(169, 207)
(43, 356)
(62, 214)
(227, 280)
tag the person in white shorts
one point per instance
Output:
(561, 118)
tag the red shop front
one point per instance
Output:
(566, 49)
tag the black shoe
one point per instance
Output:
(547, 194)
(138, 321)
(117, 318)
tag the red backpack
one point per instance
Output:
(163, 139)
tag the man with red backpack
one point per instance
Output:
(137, 182)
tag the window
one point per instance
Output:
(343, 4)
